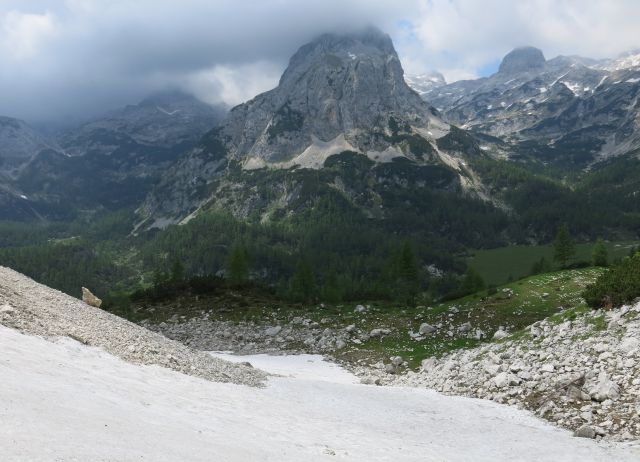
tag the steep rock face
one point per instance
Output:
(339, 93)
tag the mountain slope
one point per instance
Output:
(111, 162)
(19, 143)
(340, 93)
(163, 120)
(567, 111)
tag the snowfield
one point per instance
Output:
(65, 401)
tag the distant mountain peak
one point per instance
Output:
(522, 59)
(424, 83)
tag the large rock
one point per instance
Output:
(426, 329)
(629, 344)
(359, 309)
(379, 332)
(273, 331)
(90, 299)
(604, 388)
(586, 431)
(500, 334)
(505, 379)
(428, 364)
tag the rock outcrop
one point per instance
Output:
(582, 373)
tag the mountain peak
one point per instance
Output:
(334, 48)
(370, 37)
(522, 59)
(336, 85)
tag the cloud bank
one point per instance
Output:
(68, 59)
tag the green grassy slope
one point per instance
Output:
(499, 265)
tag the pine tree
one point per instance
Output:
(331, 291)
(237, 265)
(177, 272)
(407, 274)
(472, 282)
(303, 284)
(599, 255)
(563, 246)
(408, 265)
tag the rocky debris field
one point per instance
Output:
(363, 333)
(39, 310)
(582, 373)
(298, 335)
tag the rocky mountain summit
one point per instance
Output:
(524, 59)
(340, 93)
(567, 110)
(165, 120)
(339, 90)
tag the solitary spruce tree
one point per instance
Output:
(237, 266)
(302, 286)
(563, 246)
(599, 255)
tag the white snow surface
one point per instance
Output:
(65, 401)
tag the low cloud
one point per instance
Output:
(67, 59)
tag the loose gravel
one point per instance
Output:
(36, 309)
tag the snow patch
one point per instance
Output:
(170, 113)
(602, 81)
(67, 401)
(385, 156)
(575, 88)
(162, 223)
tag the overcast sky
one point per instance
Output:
(67, 59)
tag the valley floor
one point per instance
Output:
(66, 401)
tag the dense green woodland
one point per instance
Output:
(329, 248)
